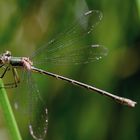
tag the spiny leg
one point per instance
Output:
(6, 69)
(16, 79)
(1, 65)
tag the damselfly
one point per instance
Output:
(54, 54)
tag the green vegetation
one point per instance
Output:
(8, 114)
(75, 113)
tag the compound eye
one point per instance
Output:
(8, 53)
(1, 62)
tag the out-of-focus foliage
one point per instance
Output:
(75, 113)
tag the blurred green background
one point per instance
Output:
(75, 113)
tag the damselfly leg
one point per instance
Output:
(14, 75)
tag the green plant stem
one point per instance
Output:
(138, 5)
(8, 114)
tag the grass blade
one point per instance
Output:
(8, 114)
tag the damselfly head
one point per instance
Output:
(7, 53)
(5, 57)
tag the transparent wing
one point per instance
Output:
(76, 56)
(30, 110)
(38, 113)
(73, 46)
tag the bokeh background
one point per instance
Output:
(75, 113)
